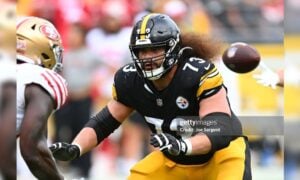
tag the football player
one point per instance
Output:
(40, 90)
(168, 82)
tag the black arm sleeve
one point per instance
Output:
(220, 130)
(103, 123)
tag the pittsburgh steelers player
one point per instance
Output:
(40, 90)
(168, 79)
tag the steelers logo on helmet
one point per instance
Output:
(171, 61)
(155, 31)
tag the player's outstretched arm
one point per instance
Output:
(33, 141)
(213, 109)
(97, 128)
(269, 78)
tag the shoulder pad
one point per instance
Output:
(125, 73)
(202, 66)
(193, 69)
(204, 74)
(49, 80)
(123, 80)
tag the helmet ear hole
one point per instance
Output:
(45, 56)
(33, 27)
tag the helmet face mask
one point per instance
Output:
(152, 67)
(38, 42)
(58, 53)
(155, 31)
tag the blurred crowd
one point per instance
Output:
(96, 35)
(244, 20)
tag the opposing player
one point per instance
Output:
(40, 90)
(167, 82)
(270, 78)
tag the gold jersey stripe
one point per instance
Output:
(208, 73)
(210, 83)
(114, 93)
(144, 26)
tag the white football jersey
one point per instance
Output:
(49, 80)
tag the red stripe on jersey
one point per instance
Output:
(51, 85)
(60, 88)
(61, 80)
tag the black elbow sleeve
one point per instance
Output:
(220, 131)
(103, 123)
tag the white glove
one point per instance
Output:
(267, 77)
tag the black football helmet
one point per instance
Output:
(155, 31)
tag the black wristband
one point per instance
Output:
(103, 123)
(222, 134)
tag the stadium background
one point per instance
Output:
(262, 23)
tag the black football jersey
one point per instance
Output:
(194, 80)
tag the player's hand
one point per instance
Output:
(64, 152)
(167, 142)
(267, 77)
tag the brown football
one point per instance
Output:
(241, 57)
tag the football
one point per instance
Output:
(241, 57)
